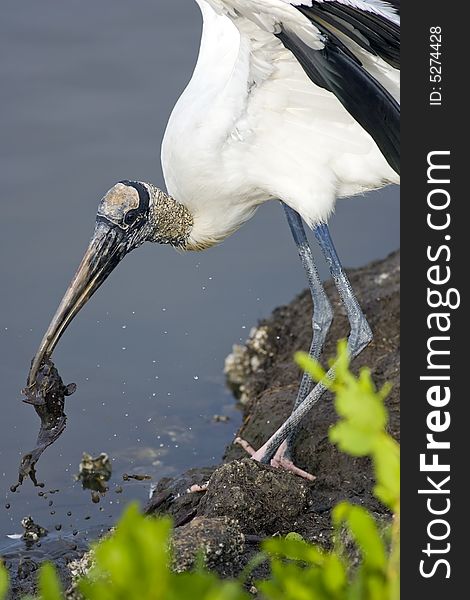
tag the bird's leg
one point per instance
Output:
(321, 322)
(360, 336)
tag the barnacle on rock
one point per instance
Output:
(248, 359)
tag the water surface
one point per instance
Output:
(86, 90)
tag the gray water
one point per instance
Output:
(85, 91)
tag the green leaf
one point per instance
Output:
(294, 550)
(295, 537)
(342, 361)
(365, 532)
(334, 574)
(131, 561)
(387, 471)
(49, 584)
(313, 368)
(3, 581)
(351, 439)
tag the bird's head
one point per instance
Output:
(130, 214)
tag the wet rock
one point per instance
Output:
(171, 497)
(136, 477)
(253, 494)
(219, 539)
(261, 499)
(94, 473)
(245, 360)
(220, 419)
(32, 531)
(23, 561)
(274, 388)
(81, 566)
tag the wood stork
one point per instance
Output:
(294, 100)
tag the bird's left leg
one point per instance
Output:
(321, 322)
(360, 336)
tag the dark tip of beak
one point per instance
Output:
(105, 251)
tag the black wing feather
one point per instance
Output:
(396, 4)
(374, 33)
(336, 70)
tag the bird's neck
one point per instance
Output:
(192, 228)
(172, 222)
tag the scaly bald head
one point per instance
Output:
(130, 214)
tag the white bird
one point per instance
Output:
(296, 100)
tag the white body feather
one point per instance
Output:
(251, 126)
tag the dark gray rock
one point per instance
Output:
(265, 501)
(219, 540)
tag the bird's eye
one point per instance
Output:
(131, 217)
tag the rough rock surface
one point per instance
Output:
(220, 539)
(265, 501)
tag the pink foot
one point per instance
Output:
(280, 460)
(195, 489)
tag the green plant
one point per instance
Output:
(304, 572)
(134, 563)
(3, 581)
(361, 430)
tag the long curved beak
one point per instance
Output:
(105, 251)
